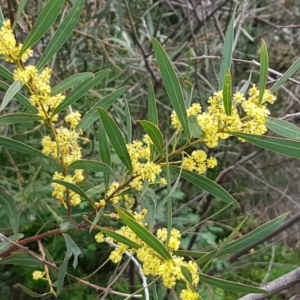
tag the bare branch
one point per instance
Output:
(274, 287)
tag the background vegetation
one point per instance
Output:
(114, 34)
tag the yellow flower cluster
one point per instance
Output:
(198, 162)
(247, 116)
(36, 275)
(142, 165)
(64, 146)
(9, 47)
(152, 263)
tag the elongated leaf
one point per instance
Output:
(206, 184)
(171, 84)
(81, 90)
(11, 92)
(245, 86)
(227, 93)
(263, 73)
(21, 258)
(232, 235)
(230, 285)
(154, 134)
(75, 189)
(227, 51)
(1, 17)
(283, 128)
(279, 145)
(19, 97)
(144, 234)
(62, 34)
(21, 147)
(147, 197)
(20, 10)
(11, 209)
(152, 109)
(128, 122)
(61, 274)
(90, 165)
(104, 151)
(70, 82)
(92, 115)
(6, 74)
(97, 218)
(119, 237)
(187, 253)
(18, 118)
(288, 74)
(116, 138)
(30, 292)
(45, 20)
(72, 248)
(194, 127)
(187, 274)
(244, 242)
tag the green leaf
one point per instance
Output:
(92, 115)
(279, 145)
(119, 237)
(154, 134)
(289, 73)
(187, 253)
(145, 235)
(18, 118)
(128, 122)
(66, 225)
(21, 258)
(11, 209)
(62, 34)
(30, 292)
(19, 97)
(187, 274)
(75, 189)
(206, 184)
(116, 138)
(11, 92)
(72, 248)
(90, 165)
(104, 151)
(81, 90)
(171, 84)
(283, 128)
(227, 52)
(97, 218)
(245, 86)
(1, 18)
(229, 285)
(263, 73)
(189, 93)
(244, 242)
(227, 93)
(61, 274)
(194, 127)
(44, 21)
(20, 10)
(21, 147)
(147, 198)
(152, 109)
(6, 74)
(70, 82)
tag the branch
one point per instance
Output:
(276, 286)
